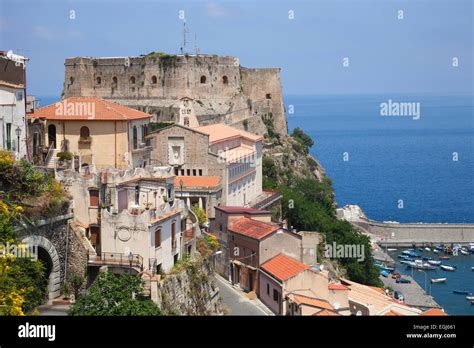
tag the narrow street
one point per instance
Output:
(236, 301)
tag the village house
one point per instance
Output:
(132, 213)
(13, 132)
(99, 133)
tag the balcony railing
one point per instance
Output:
(118, 260)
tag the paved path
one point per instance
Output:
(237, 302)
(56, 310)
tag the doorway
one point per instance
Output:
(52, 135)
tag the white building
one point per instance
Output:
(13, 133)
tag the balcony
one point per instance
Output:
(117, 260)
(266, 199)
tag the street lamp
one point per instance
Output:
(18, 133)
(130, 260)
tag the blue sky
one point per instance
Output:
(386, 55)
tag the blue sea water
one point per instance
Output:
(394, 159)
(399, 158)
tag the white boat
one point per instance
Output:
(427, 249)
(464, 252)
(391, 249)
(418, 264)
(439, 280)
(434, 262)
(470, 298)
(435, 251)
(448, 268)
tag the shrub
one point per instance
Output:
(65, 155)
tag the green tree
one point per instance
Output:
(115, 295)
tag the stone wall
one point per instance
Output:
(192, 291)
(222, 90)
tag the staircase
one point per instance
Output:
(50, 160)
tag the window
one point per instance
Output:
(268, 289)
(194, 172)
(275, 295)
(94, 198)
(158, 238)
(176, 171)
(182, 172)
(132, 80)
(135, 138)
(173, 235)
(158, 268)
(225, 80)
(200, 172)
(71, 80)
(9, 136)
(84, 132)
(98, 80)
(203, 79)
(268, 96)
(137, 195)
(154, 80)
(188, 172)
(114, 80)
(19, 95)
(186, 121)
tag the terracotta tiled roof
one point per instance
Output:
(283, 267)
(220, 132)
(197, 181)
(393, 314)
(252, 228)
(434, 312)
(234, 210)
(337, 287)
(326, 312)
(311, 301)
(76, 109)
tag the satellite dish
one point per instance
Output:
(336, 305)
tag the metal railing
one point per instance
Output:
(118, 259)
(49, 154)
(273, 197)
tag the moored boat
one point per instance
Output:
(444, 257)
(464, 252)
(435, 251)
(385, 274)
(418, 264)
(461, 292)
(470, 298)
(448, 268)
(391, 249)
(439, 280)
(427, 249)
(434, 262)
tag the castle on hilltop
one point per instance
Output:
(210, 88)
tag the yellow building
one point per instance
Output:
(99, 133)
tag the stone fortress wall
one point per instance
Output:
(222, 90)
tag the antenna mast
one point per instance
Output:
(185, 31)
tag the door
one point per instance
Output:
(52, 135)
(95, 238)
(9, 136)
(122, 200)
(250, 281)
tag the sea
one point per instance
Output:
(418, 167)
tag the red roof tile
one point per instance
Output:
(197, 181)
(434, 312)
(252, 228)
(283, 267)
(325, 312)
(88, 109)
(337, 287)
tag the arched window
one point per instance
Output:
(114, 80)
(84, 132)
(203, 79)
(154, 80)
(99, 80)
(268, 96)
(132, 80)
(225, 80)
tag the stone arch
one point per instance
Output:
(54, 280)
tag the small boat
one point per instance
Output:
(448, 268)
(396, 276)
(426, 258)
(470, 298)
(444, 257)
(427, 249)
(464, 252)
(439, 280)
(439, 247)
(407, 262)
(434, 262)
(461, 292)
(391, 249)
(418, 264)
(420, 249)
(472, 268)
(435, 251)
(402, 281)
(385, 274)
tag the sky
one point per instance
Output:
(308, 40)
